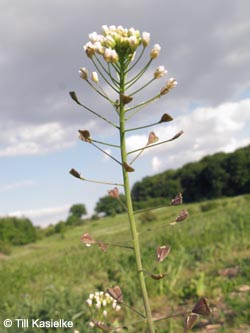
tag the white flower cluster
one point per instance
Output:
(103, 302)
(118, 42)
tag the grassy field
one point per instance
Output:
(210, 256)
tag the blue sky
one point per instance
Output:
(204, 46)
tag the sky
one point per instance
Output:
(205, 46)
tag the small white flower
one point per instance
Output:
(155, 51)
(91, 296)
(89, 302)
(94, 77)
(89, 49)
(118, 308)
(93, 37)
(98, 305)
(110, 55)
(120, 30)
(105, 30)
(105, 313)
(172, 82)
(91, 324)
(145, 38)
(160, 72)
(83, 73)
(104, 302)
(109, 41)
(87, 45)
(131, 32)
(114, 56)
(133, 41)
(170, 85)
(112, 28)
(99, 48)
(107, 55)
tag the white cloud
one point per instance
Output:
(17, 185)
(206, 130)
(156, 164)
(43, 216)
(34, 139)
(108, 152)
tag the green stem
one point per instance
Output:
(138, 107)
(75, 99)
(157, 144)
(100, 182)
(105, 143)
(133, 229)
(141, 88)
(102, 75)
(106, 153)
(141, 127)
(136, 62)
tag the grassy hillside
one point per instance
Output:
(210, 255)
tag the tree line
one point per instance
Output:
(215, 176)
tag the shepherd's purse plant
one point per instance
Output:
(116, 54)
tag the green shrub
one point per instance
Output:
(147, 217)
(17, 231)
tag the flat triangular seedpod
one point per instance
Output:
(128, 168)
(177, 200)
(165, 118)
(114, 193)
(116, 293)
(84, 135)
(87, 239)
(202, 307)
(152, 138)
(182, 215)
(190, 321)
(162, 252)
(126, 99)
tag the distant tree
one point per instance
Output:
(237, 165)
(78, 210)
(213, 177)
(110, 206)
(74, 220)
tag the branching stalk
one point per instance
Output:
(117, 47)
(129, 204)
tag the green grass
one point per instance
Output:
(53, 277)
